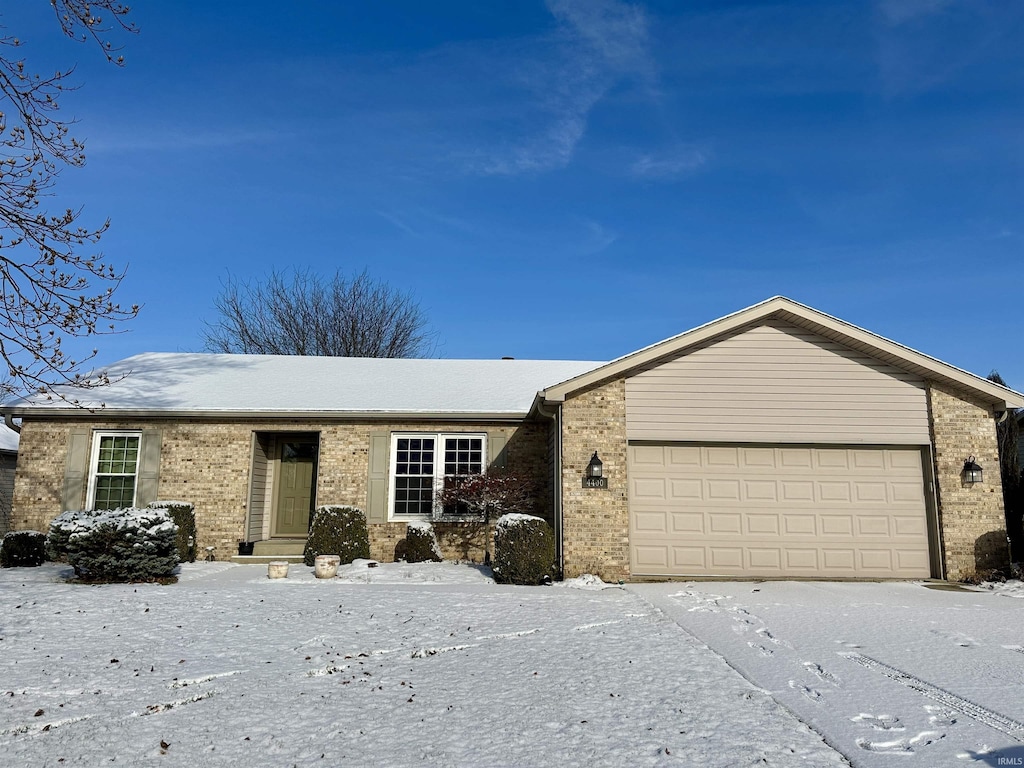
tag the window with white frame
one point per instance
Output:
(114, 469)
(423, 464)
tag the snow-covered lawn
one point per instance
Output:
(434, 664)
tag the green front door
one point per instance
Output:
(293, 497)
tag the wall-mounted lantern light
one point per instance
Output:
(972, 473)
(594, 476)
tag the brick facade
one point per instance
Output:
(972, 522)
(595, 522)
(208, 464)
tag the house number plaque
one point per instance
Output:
(595, 482)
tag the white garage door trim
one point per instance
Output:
(814, 511)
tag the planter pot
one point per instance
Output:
(326, 566)
(277, 570)
(245, 547)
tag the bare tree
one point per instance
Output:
(302, 313)
(50, 289)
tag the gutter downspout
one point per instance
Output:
(9, 421)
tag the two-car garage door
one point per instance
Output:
(777, 510)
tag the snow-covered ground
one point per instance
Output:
(434, 664)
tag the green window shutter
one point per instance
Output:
(497, 455)
(149, 468)
(377, 485)
(76, 471)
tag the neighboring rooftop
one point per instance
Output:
(218, 383)
(8, 440)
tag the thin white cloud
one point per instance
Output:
(177, 140)
(897, 12)
(669, 165)
(598, 44)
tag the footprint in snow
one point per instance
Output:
(810, 693)
(901, 746)
(821, 673)
(940, 717)
(964, 641)
(879, 722)
(761, 649)
(1014, 648)
(846, 644)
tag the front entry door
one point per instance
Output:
(293, 497)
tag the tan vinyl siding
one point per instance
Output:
(779, 383)
(258, 499)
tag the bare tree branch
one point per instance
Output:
(49, 289)
(301, 313)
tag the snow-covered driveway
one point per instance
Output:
(890, 673)
(425, 665)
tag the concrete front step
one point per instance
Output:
(263, 559)
(279, 547)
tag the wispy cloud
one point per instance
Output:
(597, 45)
(668, 165)
(177, 140)
(897, 12)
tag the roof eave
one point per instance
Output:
(1001, 398)
(109, 414)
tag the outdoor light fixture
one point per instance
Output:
(594, 476)
(972, 473)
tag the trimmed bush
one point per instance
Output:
(22, 549)
(524, 550)
(337, 530)
(421, 544)
(184, 516)
(117, 545)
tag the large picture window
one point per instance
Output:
(423, 464)
(114, 469)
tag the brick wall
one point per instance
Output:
(972, 523)
(595, 522)
(208, 464)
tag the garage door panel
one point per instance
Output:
(800, 525)
(687, 522)
(874, 525)
(651, 522)
(762, 524)
(683, 457)
(685, 489)
(778, 510)
(650, 489)
(761, 490)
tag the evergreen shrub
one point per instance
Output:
(421, 543)
(184, 516)
(117, 545)
(337, 530)
(524, 550)
(22, 549)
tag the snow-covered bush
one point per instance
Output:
(337, 530)
(116, 544)
(25, 549)
(524, 550)
(184, 516)
(421, 544)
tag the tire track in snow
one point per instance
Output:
(1005, 725)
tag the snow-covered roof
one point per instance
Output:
(165, 383)
(8, 439)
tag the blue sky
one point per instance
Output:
(565, 179)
